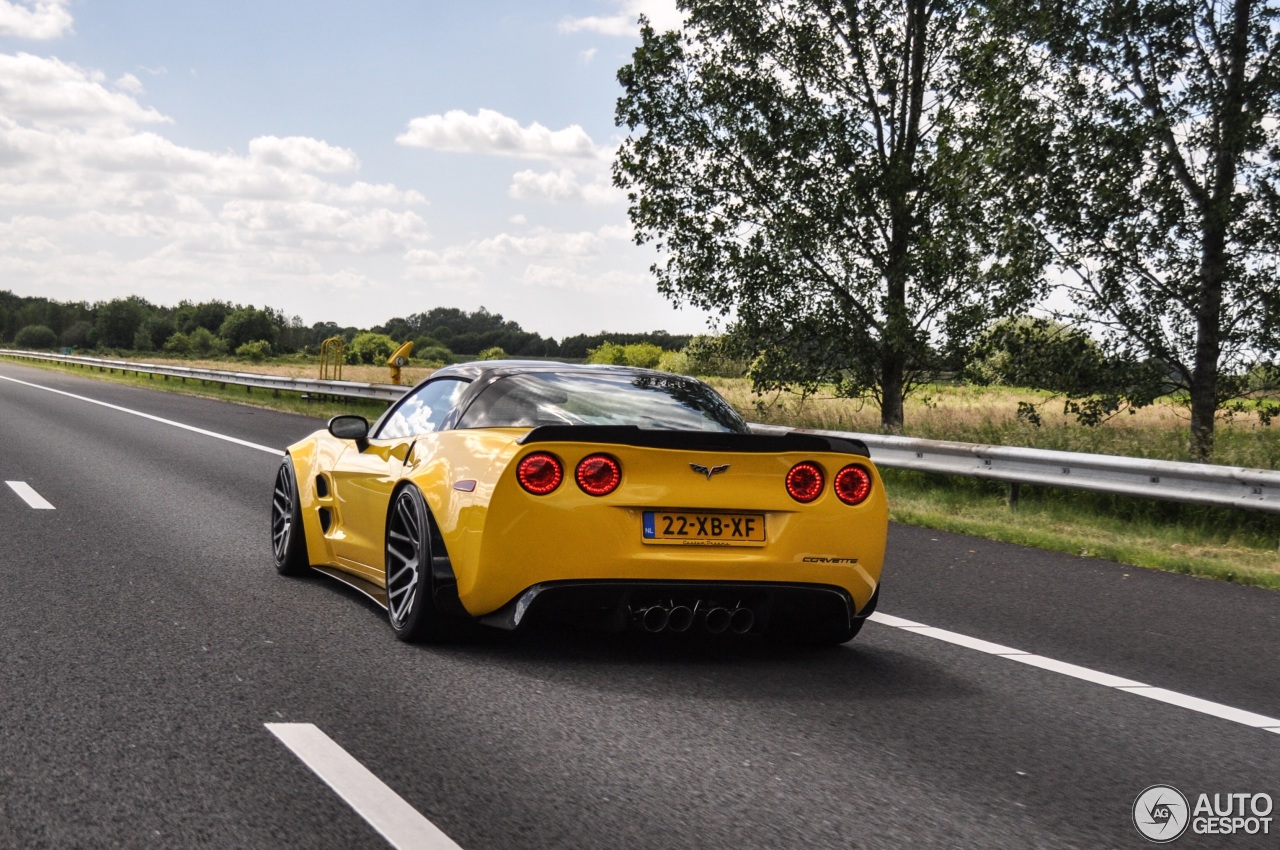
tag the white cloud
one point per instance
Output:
(303, 154)
(563, 185)
(495, 134)
(663, 14)
(129, 83)
(49, 92)
(95, 200)
(39, 20)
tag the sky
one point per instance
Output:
(337, 160)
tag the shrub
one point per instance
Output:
(708, 357)
(674, 361)
(435, 354)
(609, 353)
(204, 343)
(36, 337)
(256, 351)
(644, 355)
(494, 353)
(179, 344)
(370, 348)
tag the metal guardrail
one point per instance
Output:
(1195, 483)
(253, 380)
(1203, 484)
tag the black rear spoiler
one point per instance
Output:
(708, 441)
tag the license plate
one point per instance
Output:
(687, 528)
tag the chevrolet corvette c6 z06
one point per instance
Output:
(507, 492)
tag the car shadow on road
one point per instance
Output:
(713, 667)
(693, 664)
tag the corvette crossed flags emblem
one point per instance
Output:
(708, 471)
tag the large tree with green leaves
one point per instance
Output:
(1164, 167)
(820, 173)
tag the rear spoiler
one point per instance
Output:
(708, 441)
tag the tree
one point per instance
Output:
(815, 170)
(118, 321)
(36, 337)
(248, 324)
(1164, 200)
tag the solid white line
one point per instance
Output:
(1203, 706)
(191, 428)
(1226, 712)
(29, 495)
(384, 809)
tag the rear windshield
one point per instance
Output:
(653, 401)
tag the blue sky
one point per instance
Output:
(336, 160)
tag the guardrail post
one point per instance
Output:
(1015, 488)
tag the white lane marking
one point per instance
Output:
(384, 809)
(191, 428)
(29, 495)
(1204, 706)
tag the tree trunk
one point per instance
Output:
(1204, 376)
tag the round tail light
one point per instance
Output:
(804, 481)
(540, 473)
(598, 475)
(853, 484)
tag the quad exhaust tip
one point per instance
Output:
(680, 618)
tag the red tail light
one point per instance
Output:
(540, 473)
(599, 475)
(804, 481)
(853, 484)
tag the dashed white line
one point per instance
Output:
(1213, 709)
(163, 421)
(369, 796)
(30, 496)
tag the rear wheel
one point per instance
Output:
(288, 540)
(411, 606)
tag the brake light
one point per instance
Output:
(540, 473)
(853, 484)
(804, 481)
(598, 475)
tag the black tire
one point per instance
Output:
(288, 539)
(411, 606)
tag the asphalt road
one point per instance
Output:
(145, 640)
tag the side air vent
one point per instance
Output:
(322, 487)
(326, 520)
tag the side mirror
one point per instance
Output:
(351, 427)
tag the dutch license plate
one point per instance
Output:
(689, 528)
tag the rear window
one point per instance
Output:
(653, 401)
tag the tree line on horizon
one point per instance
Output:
(217, 328)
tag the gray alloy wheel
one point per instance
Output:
(288, 540)
(411, 606)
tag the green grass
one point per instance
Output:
(1226, 544)
(319, 407)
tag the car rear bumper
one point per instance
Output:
(695, 606)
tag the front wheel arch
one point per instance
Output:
(414, 594)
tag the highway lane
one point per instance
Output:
(147, 641)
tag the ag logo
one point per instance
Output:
(1161, 814)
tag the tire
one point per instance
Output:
(411, 606)
(288, 539)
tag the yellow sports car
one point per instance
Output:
(507, 492)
